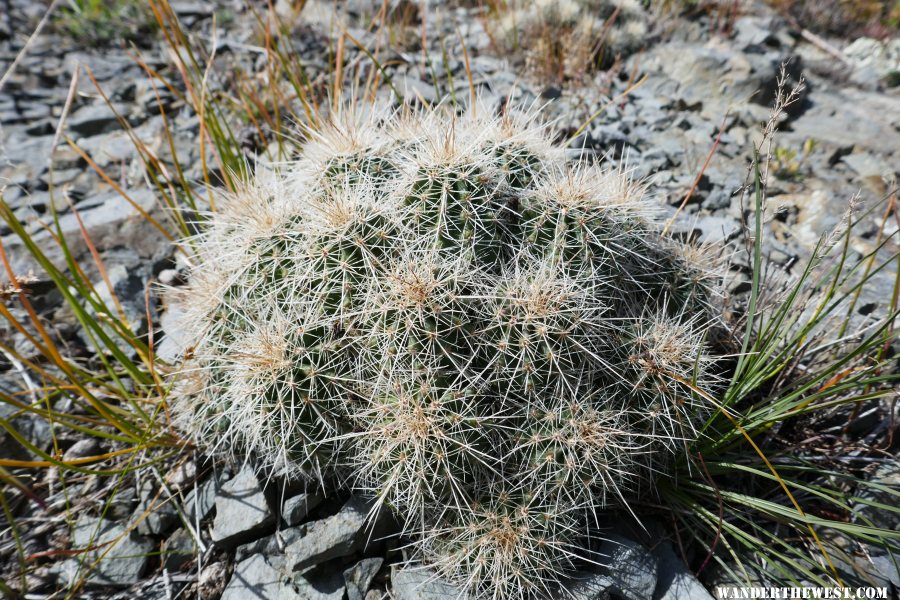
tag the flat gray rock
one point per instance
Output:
(854, 117)
(176, 341)
(338, 535)
(865, 164)
(415, 583)
(887, 474)
(82, 448)
(716, 230)
(359, 577)
(271, 544)
(675, 580)
(632, 568)
(628, 570)
(260, 578)
(295, 508)
(242, 511)
(412, 89)
(110, 148)
(712, 73)
(590, 585)
(94, 119)
(200, 500)
(120, 556)
(178, 549)
(256, 579)
(880, 567)
(155, 514)
(110, 222)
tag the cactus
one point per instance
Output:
(439, 312)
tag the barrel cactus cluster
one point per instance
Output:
(439, 312)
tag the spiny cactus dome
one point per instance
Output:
(440, 312)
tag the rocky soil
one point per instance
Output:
(218, 531)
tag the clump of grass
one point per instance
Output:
(844, 18)
(759, 496)
(571, 39)
(722, 14)
(101, 22)
(788, 163)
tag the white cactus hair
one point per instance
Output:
(509, 545)
(437, 311)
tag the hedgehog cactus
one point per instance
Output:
(441, 313)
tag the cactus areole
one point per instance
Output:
(439, 312)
